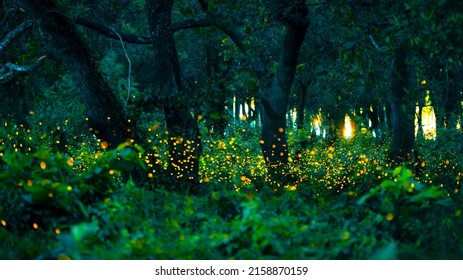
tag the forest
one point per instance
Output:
(231, 130)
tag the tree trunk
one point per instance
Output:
(402, 108)
(106, 115)
(184, 139)
(275, 101)
(301, 106)
(216, 119)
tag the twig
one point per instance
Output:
(129, 85)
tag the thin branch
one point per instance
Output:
(129, 85)
(373, 41)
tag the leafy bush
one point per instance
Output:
(43, 190)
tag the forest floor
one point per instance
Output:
(345, 202)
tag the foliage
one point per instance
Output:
(44, 190)
(338, 209)
(63, 195)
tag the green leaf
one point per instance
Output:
(122, 147)
(367, 196)
(83, 230)
(397, 171)
(430, 193)
(388, 183)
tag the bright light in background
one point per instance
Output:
(317, 126)
(348, 130)
(428, 117)
(428, 120)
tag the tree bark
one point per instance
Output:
(106, 115)
(182, 126)
(301, 106)
(402, 108)
(275, 99)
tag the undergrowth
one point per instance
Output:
(345, 201)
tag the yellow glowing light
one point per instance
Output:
(150, 175)
(43, 165)
(348, 130)
(389, 217)
(29, 183)
(428, 122)
(35, 225)
(112, 171)
(291, 188)
(423, 82)
(69, 188)
(243, 117)
(57, 231)
(4, 223)
(221, 145)
(281, 130)
(104, 145)
(70, 161)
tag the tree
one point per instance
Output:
(107, 117)
(403, 102)
(274, 87)
(183, 132)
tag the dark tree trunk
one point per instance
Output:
(275, 98)
(402, 108)
(388, 117)
(106, 115)
(419, 117)
(335, 125)
(182, 126)
(301, 106)
(450, 103)
(216, 119)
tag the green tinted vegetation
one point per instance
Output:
(287, 129)
(344, 202)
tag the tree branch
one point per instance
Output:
(191, 23)
(107, 31)
(14, 33)
(129, 84)
(9, 69)
(232, 32)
